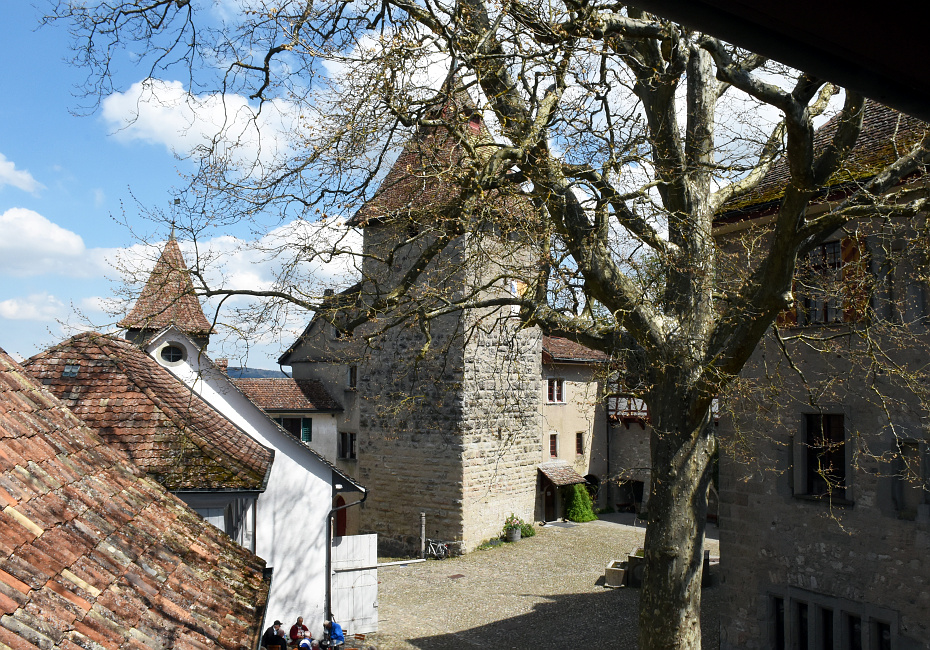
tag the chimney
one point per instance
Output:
(222, 364)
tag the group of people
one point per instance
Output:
(300, 637)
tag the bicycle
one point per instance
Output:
(438, 549)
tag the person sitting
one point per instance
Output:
(307, 643)
(274, 637)
(299, 631)
(332, 632)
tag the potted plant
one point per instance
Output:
(513, 525)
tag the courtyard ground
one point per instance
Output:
(542, 592)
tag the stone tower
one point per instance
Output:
(446, 404)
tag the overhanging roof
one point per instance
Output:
(561, 473)
(879, 51)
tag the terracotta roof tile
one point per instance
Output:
(885, 135)
(287, 394)
(168, 298)
(141, 408)
(560, 349)
(101, 553)
(427, 177)
(561, 473)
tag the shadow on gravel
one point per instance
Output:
(605, 620)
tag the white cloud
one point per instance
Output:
(38, 306)
(165, 113)
(33, 245)
(20, 178)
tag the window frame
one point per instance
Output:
(305, 426)
(352, 377)
(812, 447)
(71, 370)
(555, 390)
(347, 446)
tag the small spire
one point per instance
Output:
(171, 236)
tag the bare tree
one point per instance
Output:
(625, 132)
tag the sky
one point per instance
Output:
(72, 191)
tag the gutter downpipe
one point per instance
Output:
(328, 601)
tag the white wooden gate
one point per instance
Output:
(355, 582)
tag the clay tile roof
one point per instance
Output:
(426, 178)
(561, 473)
(141, 408)
(95, 554)
(168, 298)
(885, 135)
(558, 349)
(287, 394)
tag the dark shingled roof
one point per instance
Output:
(141, 408)
(426, 179)
(95, 554)
(168, 298)
(561, 473)
(886, 134)
(287, 394)
(561, 350)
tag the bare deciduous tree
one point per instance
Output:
(626, 133)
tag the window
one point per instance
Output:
(823, 456)
(554, 445)
(352, 380)
(830, 285)
(171, 353)
(555, 387)
(71, 370)
(802, 619)
(579, 443)
(301, 428)
(347, 445)
(910, 479)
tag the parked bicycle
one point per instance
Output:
(438, 549)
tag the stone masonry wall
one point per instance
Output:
(856, 555)
(409, 439)
(500, 427)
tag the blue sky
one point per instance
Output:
(66, 181)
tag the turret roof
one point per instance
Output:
(427, 177)
(168, 297)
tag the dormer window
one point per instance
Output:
(71, 370)
(172, 353)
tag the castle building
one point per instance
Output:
(463, 415)
(824, 509)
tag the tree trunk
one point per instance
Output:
(683, 444)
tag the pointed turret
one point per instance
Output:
(168, 298)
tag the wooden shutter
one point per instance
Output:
(306, 429)
(855, 279)
(789, 317)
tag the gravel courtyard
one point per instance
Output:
(542, 592)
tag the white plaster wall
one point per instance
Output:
(292, 512)
(325, 434)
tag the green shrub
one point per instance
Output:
(578, 504)
(527, 530)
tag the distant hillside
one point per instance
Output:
(253, 373)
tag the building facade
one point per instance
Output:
(824, 510)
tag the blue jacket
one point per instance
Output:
(336, 633)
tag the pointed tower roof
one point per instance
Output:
(426, 179)
(168, 298)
